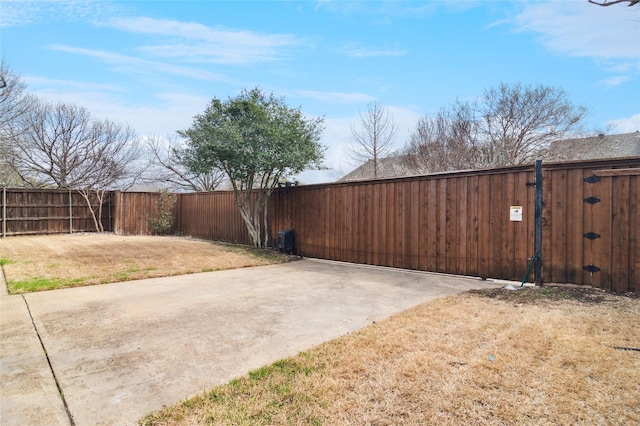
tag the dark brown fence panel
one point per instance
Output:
(616, 217)
(453, 223)
(130, 211)
(458, 223)
(36, 211)
(590, 224)
(634, 240)
(212, 216)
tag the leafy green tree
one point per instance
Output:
(257, 140)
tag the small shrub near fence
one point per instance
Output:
(162, 220)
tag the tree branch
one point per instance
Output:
(611, 3)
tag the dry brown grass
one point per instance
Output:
(532, 357)
(45, 262)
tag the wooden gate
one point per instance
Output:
(612, 246)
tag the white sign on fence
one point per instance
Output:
(515, 214)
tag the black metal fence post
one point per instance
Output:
(537, 237)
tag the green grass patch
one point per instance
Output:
(4, 261)
(264, 396)
(120, 276)
(41, 283)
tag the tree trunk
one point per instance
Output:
(248, 221)
(86, 194)
(265, 209)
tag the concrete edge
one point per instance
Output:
(29, 392)
(3, 283)
(417, 271)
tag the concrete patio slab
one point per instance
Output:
(120, 351)
(28, 392)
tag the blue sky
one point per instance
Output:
(156, 64)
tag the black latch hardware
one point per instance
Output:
(591, 268)
(592, 200)
(592, 179)
(287, 186)
(591, 235)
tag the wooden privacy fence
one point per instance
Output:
(456, 223)
(591, 224)
(465, 223)
(37, 212)
(207, 215)
(477, 223)
(130, 210)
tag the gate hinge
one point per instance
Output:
(591, 235)
(592, 200)
(592, 179)
(591, 268)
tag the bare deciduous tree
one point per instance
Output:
(170, 168)
(62, 146)
(374, 138)
(14, 103)
(508, 125)
(13, 97)
(517, 123)
(444, 142)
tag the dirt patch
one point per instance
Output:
(46, 262)
(552, 293)
(498, 357)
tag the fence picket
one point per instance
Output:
(455, 223)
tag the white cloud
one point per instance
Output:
(359, 51)
(163, 114)
(614, 81)
(335, 97)
(195, 31)
(154, 119)
(20, 13)
(72, 85)
(581, 29)
(626, 125)
(17, 13)
(405, 119)
(383, 12)
(133, 65)
(211, 53)
(197, 42)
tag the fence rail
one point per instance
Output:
(36, 212)
(458, 223)
(461, 223)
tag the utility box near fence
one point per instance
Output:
(285, 241)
